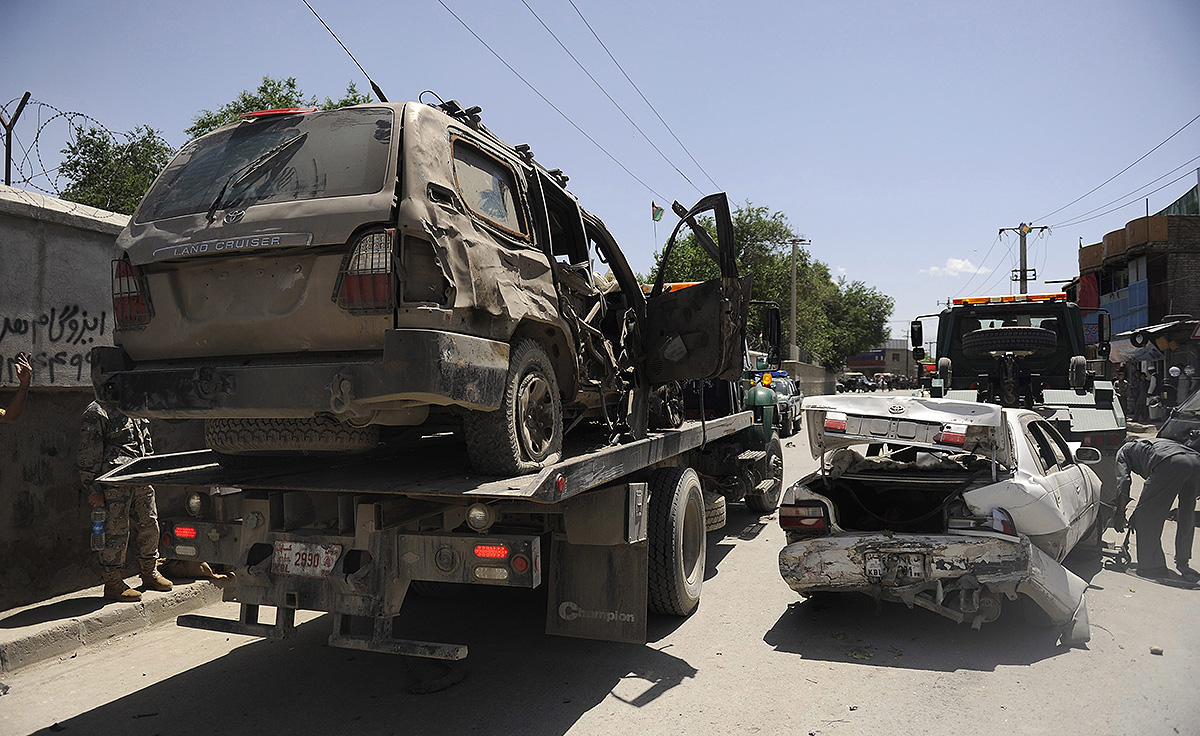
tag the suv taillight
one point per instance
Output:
(365, 282)
(131, 299)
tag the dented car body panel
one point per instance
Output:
(246, 263)
(955, 513)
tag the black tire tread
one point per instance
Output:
(664, 596)
(274, 436)
(1004, 339)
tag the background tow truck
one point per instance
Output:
(1028, 350)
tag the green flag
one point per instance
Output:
(656, 212)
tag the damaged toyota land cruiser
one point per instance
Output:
(953, 506)
(303, 280)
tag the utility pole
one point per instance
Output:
(1023, 275)
(793, 348)
(8, 129)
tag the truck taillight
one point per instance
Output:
(131, 299)
(811, 517)
(185, 532)
(365, 283)
(491, 551)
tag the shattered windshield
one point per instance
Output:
(275, 159)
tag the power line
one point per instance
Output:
(1122, 171)
(979, 267)
(610, 97)
(639, 91)
(551, 104)
(1135, 193)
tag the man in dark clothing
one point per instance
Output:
(1171, 470)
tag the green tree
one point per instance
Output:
(112, 175)
(272, 94)
(838, 318)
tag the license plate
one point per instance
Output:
(305, 560)
(895, 565)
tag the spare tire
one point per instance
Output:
(1028, 340)
(280, 436)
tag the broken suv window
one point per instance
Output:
(488, 187)
(275, 159)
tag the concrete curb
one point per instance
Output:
(63, 625)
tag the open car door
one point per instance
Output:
(698, 331)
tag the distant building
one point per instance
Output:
(894, 356)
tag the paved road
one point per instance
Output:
(753, 659)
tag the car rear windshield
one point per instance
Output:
(275, 159)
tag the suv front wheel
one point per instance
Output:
(526, 432)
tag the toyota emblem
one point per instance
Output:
(233, 216)
(895, 409)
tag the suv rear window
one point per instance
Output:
(321, 154)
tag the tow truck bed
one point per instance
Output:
(427, 468)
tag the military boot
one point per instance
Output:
(152, 579)
(115, 588)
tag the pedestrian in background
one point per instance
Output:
(1140, 384)
(1171, 470)
(17, 405)
(1121, 387)
(109, 439)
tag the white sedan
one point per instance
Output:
(949, 505)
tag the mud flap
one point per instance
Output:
(598, 592)
(1060, 593)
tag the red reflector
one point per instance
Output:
(520, 564)
(166, 540)
(185, 532)
(491, 551)
(278, 111)
(561, 484)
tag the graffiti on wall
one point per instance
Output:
(59, 342)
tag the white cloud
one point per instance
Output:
(956, 267)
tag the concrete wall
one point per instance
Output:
(814, 380)
(55, 303)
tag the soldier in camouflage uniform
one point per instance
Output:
(109, 439)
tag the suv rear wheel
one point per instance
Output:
(526, 432)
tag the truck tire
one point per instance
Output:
(677, 541)
(526, 432)
(1031, 340)
(716, 511)
(771, 470)
(1078, 372)
(231, 438)
(787, 428)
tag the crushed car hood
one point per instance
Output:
(905, 420)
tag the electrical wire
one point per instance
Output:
(998, 272)
(979, 267)
(1135, 193)
(639, 91)
(610, 97)
(1122, 171)
(554, 107)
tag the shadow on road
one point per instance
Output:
(57, 611)
(517, 680)
(849, 627)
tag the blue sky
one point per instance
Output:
(898, 137)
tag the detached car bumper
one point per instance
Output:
(937, 572)
(416, 368)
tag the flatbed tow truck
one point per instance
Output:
(613, 530)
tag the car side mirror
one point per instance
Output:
(1087, 455)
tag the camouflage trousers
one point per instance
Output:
(129, 507)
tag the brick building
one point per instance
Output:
(1147, 276)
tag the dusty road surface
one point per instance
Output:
(754, 659)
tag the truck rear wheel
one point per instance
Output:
(771, 471)
(677, 541)
(526, 432)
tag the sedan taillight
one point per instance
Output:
(131, 298)
(808, 517)
(365, 283)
